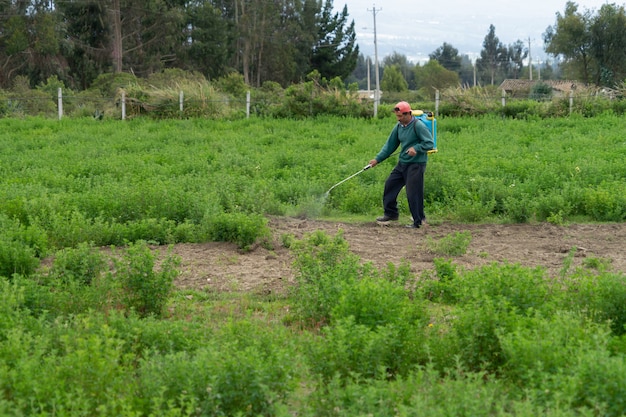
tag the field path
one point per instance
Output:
(222, 267)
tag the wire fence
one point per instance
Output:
(121, 106)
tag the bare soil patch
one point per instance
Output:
(222, 267)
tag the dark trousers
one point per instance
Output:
(411, 176)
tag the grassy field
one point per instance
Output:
(113, 177)
(104, 332)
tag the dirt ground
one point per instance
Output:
(222, 267)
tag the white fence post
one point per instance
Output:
(60, 102)
(503, 97)
(248, 104)
(123, 105)
(571, 101)
(436, 103)
(180, 101)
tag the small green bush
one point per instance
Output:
(602, 297)
(21, 247)
(451, 245)
(520, 288)
(324, 267)
(475, 334)
(351, 350)
(442, 288)
(234, 374)
(375, 302)
(547, 345)
(239, 228)
(146, 290)
(81, 264)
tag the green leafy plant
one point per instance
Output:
(450, 245)
(240, 228)
(146, 290)
(324, 268)
(20, 247)
(81, 264)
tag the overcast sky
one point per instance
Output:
(416, 29)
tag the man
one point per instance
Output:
(415, 140)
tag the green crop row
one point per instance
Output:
(104, 333)
(109, 182)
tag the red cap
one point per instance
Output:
(403, 107)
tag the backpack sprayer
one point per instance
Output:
(428, 118)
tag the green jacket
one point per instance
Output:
(416, 135)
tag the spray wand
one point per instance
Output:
(368, 166)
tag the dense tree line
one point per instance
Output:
(265, 40)
(277, 40)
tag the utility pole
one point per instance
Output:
(377, 92)
(369, 78)
(539, 70)
(530, 61)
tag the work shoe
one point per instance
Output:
(385, 219)
(412, 226)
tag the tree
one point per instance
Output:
(570, 38)
(153, 31)
(393, 80)
(592, 48)
(116, 35)
(466, 73)
(493, 56)
(448, 57)
(335, 51)
(403, 65)
(517, 53)
(608, 45)
(209, 47)
(433, 76)
(30, 42)
(88, 38)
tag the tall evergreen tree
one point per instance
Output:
(517, 53)
(335, 51)
(88, 39)
(493, 57)
(448, 56)
(209, 47)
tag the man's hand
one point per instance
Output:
(373, 163)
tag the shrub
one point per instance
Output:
(239, 228)
(546, 345)
(20, 247)
(81, 264)
(475, 334)
(375, 302)
(602, 297)
(444, 287)
(324, 268)
(351, 350)
(145, 290)
(451, 245)
(226, 377)
(519, 288)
